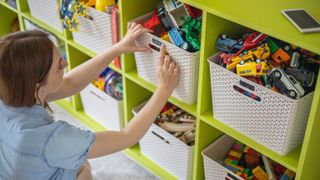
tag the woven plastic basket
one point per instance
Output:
(188, 63)
(167, 150)
(103, 108)
(95, 34)
(47, 11)
(275, 121)
(213, 157)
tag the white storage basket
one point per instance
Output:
(188, 63)
(276, 121)
(47, 11)
(95, 34)
(103, 108)
(166, 150)
(213, 157)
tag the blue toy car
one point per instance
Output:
(228, 45)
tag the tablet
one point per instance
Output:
(302, 20)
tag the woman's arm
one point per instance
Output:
(112, 141)
(82, 75)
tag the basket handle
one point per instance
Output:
(230, 176)
(95, 94)
(155, 44)
(162, 138)
(246, 93)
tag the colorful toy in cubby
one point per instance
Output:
(172, 17)
(177, 122)
(69, 10)
(111, 83)
(249, 164)
(255, 54)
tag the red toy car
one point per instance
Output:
(251, 41)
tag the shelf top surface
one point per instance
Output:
(266, 17)
(290, 161)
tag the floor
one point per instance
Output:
(116, 166)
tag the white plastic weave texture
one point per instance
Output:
(214, 155)
(103, 108)
(167, 151)
(188, 63)
(47, 11)
(95, 34)
(277, 121)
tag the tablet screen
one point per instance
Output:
(302, 19)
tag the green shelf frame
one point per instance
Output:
(231, 17)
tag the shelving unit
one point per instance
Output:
(231, 17)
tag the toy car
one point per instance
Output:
(176, 10)
(281, 57)
(165, 19)
(228, 45)
(286, 84)
(251, 41)
(305, 76)
(257, 68)
(294, 63)
(238, 59)
(260, 52)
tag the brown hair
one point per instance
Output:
(25, 60)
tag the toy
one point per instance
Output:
(286, 84)
(152, 22)
(252, 68)
(192, 29)
(175, 10)
(113, 85)
(281, 57)
(252, 40)
(69, 10)
(165, 19)
(259, 173)
(193, 12)
(166, 37)
(102, 4)
(260, 52)
(228, 45)
(305, 76)
(236, 60)
(294, 63)
(176, 37)
(272, 45)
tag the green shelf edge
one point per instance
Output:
(290, 161)
(133, 76)
(8, 7)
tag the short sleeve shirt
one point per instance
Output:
(34, 146)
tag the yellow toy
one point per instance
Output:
(253, 69)
(102, 4)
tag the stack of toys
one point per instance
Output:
(249, 164)
(272, 63)
(177, 122)
(111, 83)
(177, 23)
(69, 10)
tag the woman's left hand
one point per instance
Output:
(128, 44)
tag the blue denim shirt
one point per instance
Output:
(33, 146)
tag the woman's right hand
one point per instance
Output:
(168, 72)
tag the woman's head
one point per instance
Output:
(30, 68)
